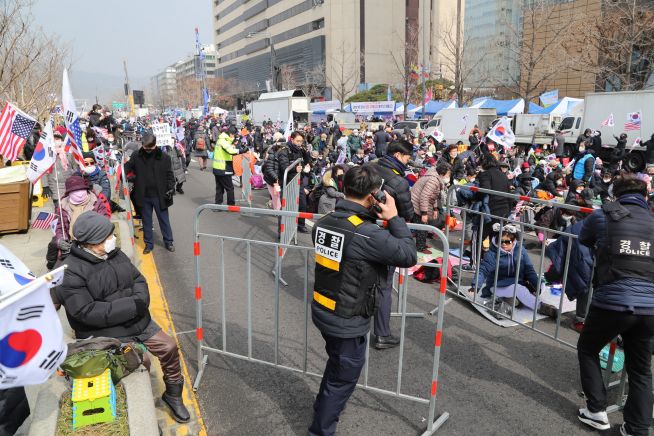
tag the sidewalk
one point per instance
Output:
(30, 248)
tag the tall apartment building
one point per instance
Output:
(164, 86)
(574, 13)
(190, 65)
(485, 31)
(358, 39)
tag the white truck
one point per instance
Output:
(535, 128)
(275, 106)
(456, 123)
(598, 106)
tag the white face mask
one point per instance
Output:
(110, 244)
(89, 169)
(567, 217)
(582, 148)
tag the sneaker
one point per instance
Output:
(147, 250)
(597, 420)
(302, 229)
(468, 267)
(578, 326)
(623, 430)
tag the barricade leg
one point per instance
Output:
(202, 359)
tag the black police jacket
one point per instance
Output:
(372, 245)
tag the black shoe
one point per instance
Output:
(180, 190)
(382, 342)
(548, 310)
(302, 229)
(173, 399)
(147, 250)
(170, 247)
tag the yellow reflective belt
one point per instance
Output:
(327, 263)
(324, 301)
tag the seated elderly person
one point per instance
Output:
(105, 295)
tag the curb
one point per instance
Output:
(141, 414)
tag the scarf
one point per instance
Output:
(76, 211)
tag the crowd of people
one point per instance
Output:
(414, 169)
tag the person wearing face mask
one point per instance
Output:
(347, 284)
(505, 244)
(154, 186)
(294, 150)
(78, 198)
(95, 176)
(332, 183)
(54, 183)
(451, 157)
(392, 167)
(553, 182)
(104, 294)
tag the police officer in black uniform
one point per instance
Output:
(622, 233)
(352, 258)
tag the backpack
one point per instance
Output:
(90, 357)
(256, 181)
(200, 144)
(314, 198)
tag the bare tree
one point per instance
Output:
(287, 77)
(31, 63)
(314, 81)
(459, 61)
(343, 76)
(406, 63)
(540, 49)
(189, 92)
(619, 47)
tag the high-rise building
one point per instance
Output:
(340, 43)
(164, 86)
(490, 28)
(190, 65)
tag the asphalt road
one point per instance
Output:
(492, 381)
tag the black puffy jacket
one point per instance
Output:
(392, 171)
(270, 168)
(286, 156)
(495, 180)
(99, 295)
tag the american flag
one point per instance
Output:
(74, 138)
(15, 128)
(633, 121)
(43, 220)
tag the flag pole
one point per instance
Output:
(61, 215)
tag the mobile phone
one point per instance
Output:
(380, 196)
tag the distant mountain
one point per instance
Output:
(88, 86)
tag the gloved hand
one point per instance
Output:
(141, 307)
(46, 192)
(64, 245)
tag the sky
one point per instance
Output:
(148, 34)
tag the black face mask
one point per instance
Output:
(149, 150)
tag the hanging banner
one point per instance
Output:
(549, 98)
(372, 106)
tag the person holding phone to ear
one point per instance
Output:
(353, 254)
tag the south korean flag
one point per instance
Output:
(31, 337)
(13, 273)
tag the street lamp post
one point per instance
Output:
(273, 81)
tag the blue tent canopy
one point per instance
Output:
(503, 107)
(434, 106)
(535, 109)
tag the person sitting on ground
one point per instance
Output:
(552, 181)
(332, 183)
(359, 158)
(104, 294)
(77, 199)
(428, 197)
(505, 245)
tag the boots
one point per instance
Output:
(173, 398)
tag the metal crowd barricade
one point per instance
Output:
(246, 186)
(290, 203)
(433, 423)
(468, 214)
(128, 201)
